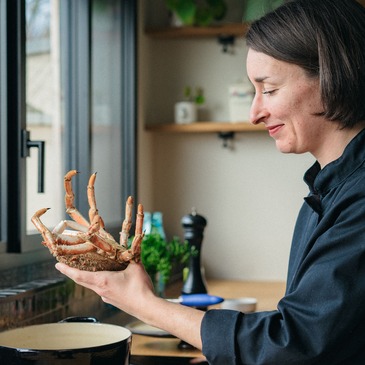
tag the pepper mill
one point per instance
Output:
(194, 225)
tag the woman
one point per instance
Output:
(306, 61)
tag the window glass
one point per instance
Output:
(106, 81)
(62, 81)
(43, 109)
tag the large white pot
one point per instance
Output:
(76, 343)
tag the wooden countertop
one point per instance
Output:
(267, 293)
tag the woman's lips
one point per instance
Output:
(274, 129)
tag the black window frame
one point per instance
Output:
(75, 44)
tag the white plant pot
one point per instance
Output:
(185, 112)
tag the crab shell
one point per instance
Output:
(92, 261)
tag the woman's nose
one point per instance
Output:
(258, 112)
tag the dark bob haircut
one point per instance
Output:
(327, 39)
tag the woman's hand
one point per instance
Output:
(127, 290)
(132, 291)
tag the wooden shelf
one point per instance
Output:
(233, 29)
(206, 127)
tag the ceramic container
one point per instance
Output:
(243, 304)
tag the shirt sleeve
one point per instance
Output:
(222, 324)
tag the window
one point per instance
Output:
(67, 78)
(43, 115)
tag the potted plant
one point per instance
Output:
(255, 9)
(197, 12)
(197, 97)
(159, 255)
(186, 111)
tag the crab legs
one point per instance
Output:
(86, 244)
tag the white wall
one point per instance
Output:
(250, 195)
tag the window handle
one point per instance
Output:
(27, 144)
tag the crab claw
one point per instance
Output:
(134, 253)
(44, 231)
(71, 210)
(127, 223)
(138, 236)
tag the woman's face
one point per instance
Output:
(286, 101)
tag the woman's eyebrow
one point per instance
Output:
(261, 79)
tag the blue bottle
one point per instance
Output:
(157, 225)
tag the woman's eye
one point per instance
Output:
(268, 92)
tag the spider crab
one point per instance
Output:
(85, 244)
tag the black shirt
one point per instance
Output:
(321, 318)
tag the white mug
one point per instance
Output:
(243, 304)
(185, 112)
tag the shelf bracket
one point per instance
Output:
(227, 42)
(227, 138)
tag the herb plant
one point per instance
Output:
(159, 255)
(197, 97)
(198, 12)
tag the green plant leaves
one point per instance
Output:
(184, 9)
(158, 255)
(197, 12)
(197, 97)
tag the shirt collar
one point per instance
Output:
(321, 181)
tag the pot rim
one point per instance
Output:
(80, 326)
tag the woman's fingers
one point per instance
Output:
(76, 274)
(122, 289)
(93, 280)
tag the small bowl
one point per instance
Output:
(243, 304)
